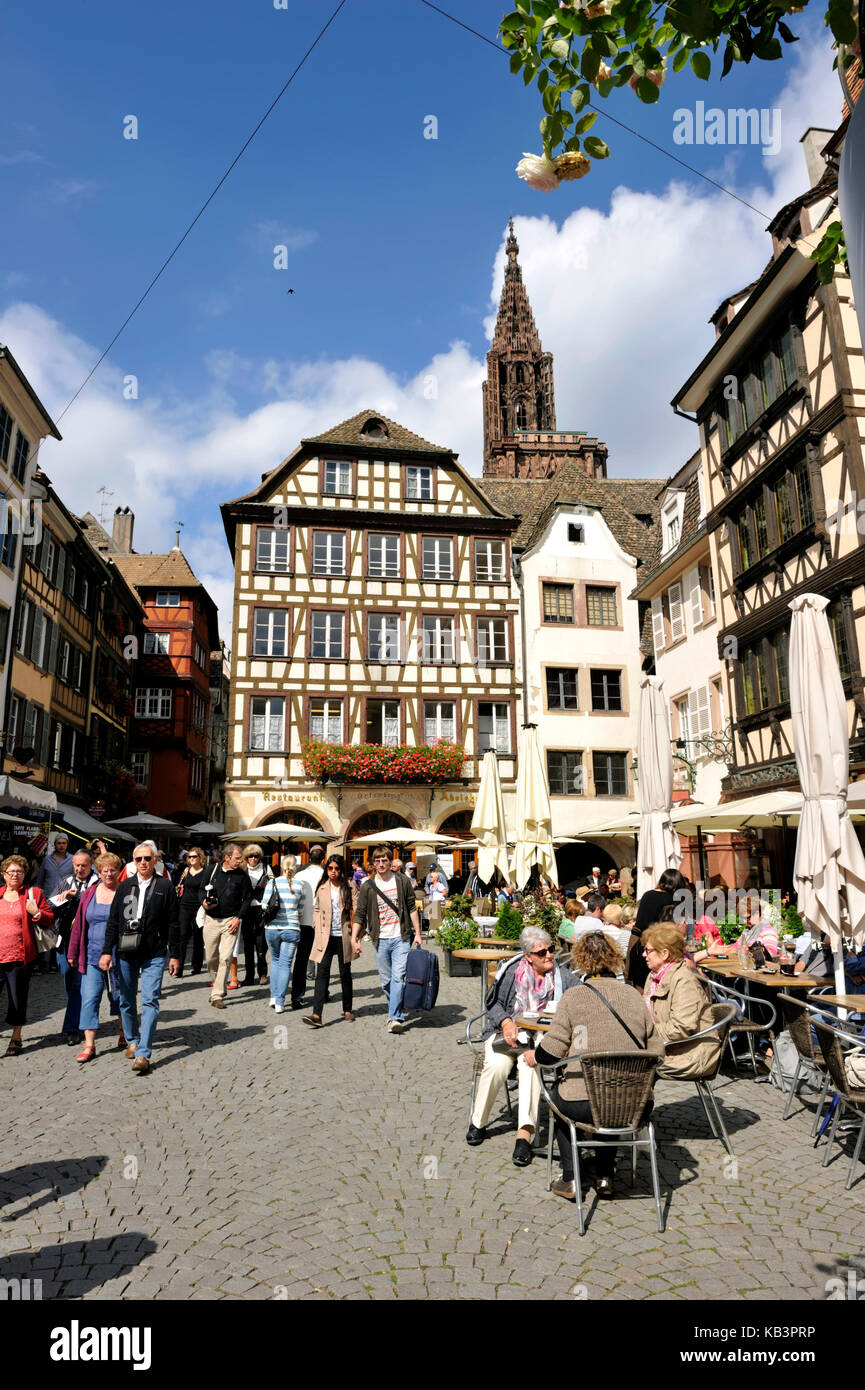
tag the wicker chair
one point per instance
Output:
(852, 1097)
(797, 1018)
(619, 1088)
(722, 1016)
(751, 1027)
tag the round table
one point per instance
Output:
(478, 953)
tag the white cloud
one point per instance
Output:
(270, 232)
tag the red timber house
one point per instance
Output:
(171, 696)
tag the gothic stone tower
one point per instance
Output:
(520, 435)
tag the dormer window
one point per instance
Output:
(374, 429)
(576, 533)
(671, 522)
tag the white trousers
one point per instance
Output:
(497, 1069)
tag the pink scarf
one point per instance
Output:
(532, 990)
(657, 976)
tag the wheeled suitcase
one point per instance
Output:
(421, 980)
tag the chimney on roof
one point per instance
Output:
(812, 143)
(124, 520)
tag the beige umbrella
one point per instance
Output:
(829, 860)
(403, 835)
(488, 822)
(534, 816)
(278, 830)
(659, 843)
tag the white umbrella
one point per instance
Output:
(488, 822)
(277, 830)
(404, 835)
(829, 859)
(144, 822)
(659, 843)
(534, 816)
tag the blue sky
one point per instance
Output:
(394, 240)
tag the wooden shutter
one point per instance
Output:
(657, 625)
(695, 595)
(677, 613)
(51, 648)
(44, 736)
(61, 567)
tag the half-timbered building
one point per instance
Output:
(373, 609)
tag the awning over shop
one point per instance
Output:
(75, 819)
(14, 793)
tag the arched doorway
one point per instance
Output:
(370, 823)
(575, 862)
(460, 826)
(299, 848)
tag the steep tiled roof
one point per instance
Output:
(691, 526)
(398, 437)
(533, 501)
(146, 570)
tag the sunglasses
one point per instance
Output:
(253, 856)
(143, 858)
(545, 951)
(333, 866)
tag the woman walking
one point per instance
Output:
(87, 944)
(20, 910)
(332, 912)
(283, 931)
(252, 926)
(190, 891)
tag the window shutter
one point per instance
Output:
(657, 625)
(36, 633)
(43, 740)
(677, 614)
(61, 567)
(704, 712)
(695, 595)
(706, 573)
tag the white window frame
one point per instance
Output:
(333, 540)
(438, 635)
(487, 571)
(274, 710)
(14, 712)
(710, 591)
(419, 483)
(492, 652)
(440, 549)
(165, 598)
(49, 557)
(152, 647)
(29, 728)
(38, 635)
(158, 696)
(388, 645)
(389, 566)
(501, 730)
(440, 721)
(139, 766)
(341, 470)
(390, 722)
(677, 612)
(267, 561)
(330, 618)
(264, 625)
(332, 709)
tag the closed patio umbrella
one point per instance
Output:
(829, 860)
(534, 816)
(488, 822)
(659, 843)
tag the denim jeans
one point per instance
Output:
(391, 957)
(72, 980)
(282, 942)
(150, 972)
(92, 985)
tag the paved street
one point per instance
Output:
(263, 1159)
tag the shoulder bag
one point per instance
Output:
(385, 899)
(201, 915)
(45, 937)
(274, 903)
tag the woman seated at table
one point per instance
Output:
(524, 984)
(759, 931)
(678, 1002)
(585, 1022)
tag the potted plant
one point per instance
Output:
(509, 922)
(454, 933)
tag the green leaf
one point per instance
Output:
(543, 80)
(579, 96)
(573, 144)
(560, 48)
(531, 68)
(651, 57)
(606, 86)
(767, 49)
(693, 17)
(550, 98)
(596, 148)
(842, 24)
(511, 22)
(590, 63)
(680, 60)
(701, 65)
(647, 91)
(516, 62)
(787, 33)
(606, 45)
(586, 122)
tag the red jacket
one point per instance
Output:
(44, 916)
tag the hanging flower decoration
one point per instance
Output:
(376, 762)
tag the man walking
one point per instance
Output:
(386, 909)
(227, 895)
(55, 866)
(312, 876)
(143, 924)
(64, 903)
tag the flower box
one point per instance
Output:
(379, 763)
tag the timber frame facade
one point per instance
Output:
(372, 604)
(780, 401)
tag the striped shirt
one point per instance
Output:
(291, 901)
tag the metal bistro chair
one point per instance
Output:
(619, 1088)
(798, 1017)
(848, 1096)
(723, 1015)
(477, 1042)
(751, 1027)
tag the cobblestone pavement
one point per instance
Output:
(264, 1159)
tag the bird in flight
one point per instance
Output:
(289, 291)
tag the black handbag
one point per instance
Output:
(270, 911)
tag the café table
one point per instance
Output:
(477, 953)
(731, 969)
(854, 1002)
(532, 1025)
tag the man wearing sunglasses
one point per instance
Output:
(527, 983)
(144, 925)
(386, 909)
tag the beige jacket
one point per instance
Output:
(583, 1023)
(680, 1007)
(321, 923)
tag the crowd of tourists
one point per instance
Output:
(114, 928)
